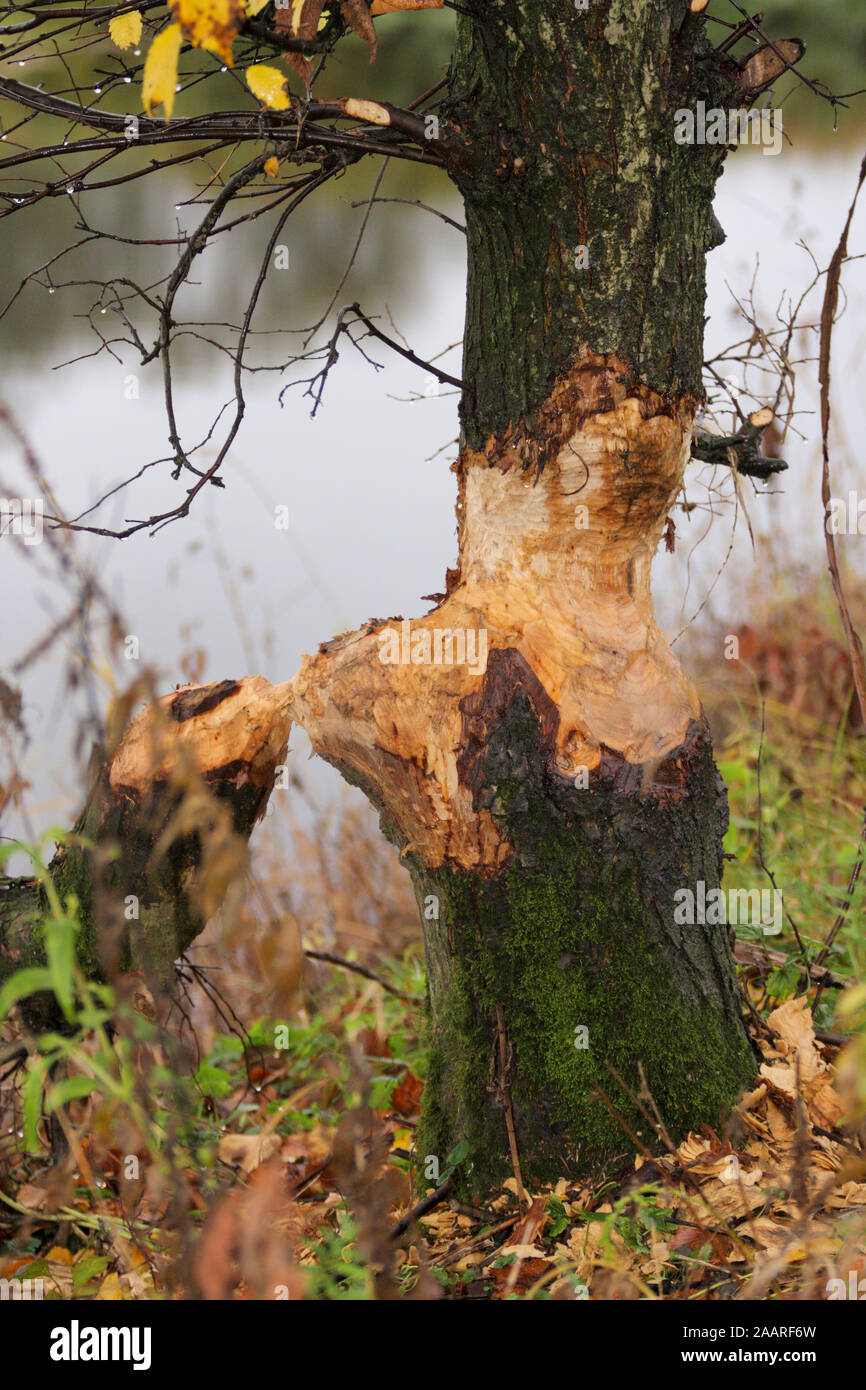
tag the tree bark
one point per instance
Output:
(549, 807)
(162, 837)
(551, 792)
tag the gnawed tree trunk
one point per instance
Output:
(551, 795)
(550, 806)
(162, 837)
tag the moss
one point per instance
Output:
(123, 864)
(578, 931)
(547, 948)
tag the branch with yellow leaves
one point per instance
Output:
(298, 132)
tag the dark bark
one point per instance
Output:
(576, 932)
(568, 119)
(161, 838)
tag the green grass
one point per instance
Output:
(303, 1076)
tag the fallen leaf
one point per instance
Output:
(110, 1290)
(32, 1197)
(534, 1221)
(406, 1096)
(523, 1251)
(792, 1022)
(529, 1273)
(58, 1254)
(247, 1151)
(690, 1238)
(780, 1129)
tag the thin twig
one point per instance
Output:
(410, 356)
(505, 1092)
(421, 1208)
(331, 959)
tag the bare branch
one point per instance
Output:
(744, 447)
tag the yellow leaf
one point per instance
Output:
(391, 6)
(125, 29)
(272, 167)
(269, 85)
(58, 1254)
(210, 24)
(253, 6)
(297, 7)
(160, 71)
(111, 1289)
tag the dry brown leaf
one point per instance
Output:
(247, 1151)
(758, 1150)
(780, 1129)
(250, 1236)
(825, 1154)
(792, 1022)
(735, 1198)
(825, 1105)
(524, 1252)
(693, 1149)
(32, 1197)
(534, 1221)
(764, 66)
(659, 1256)
(781, 1078)
(772, 1237)
(406, 1096)
(530, 1271)
(357, 14)
(850, 1194)
(752, 1098)
(302, 21)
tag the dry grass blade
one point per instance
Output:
(828, 314)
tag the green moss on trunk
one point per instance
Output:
(578, 932)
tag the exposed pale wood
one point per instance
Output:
(573, 600)
(166, 823)
(228, 729)
(393, 6)
(363, 110)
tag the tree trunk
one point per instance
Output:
(532, 744)
(550, 805)
(161, 839)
